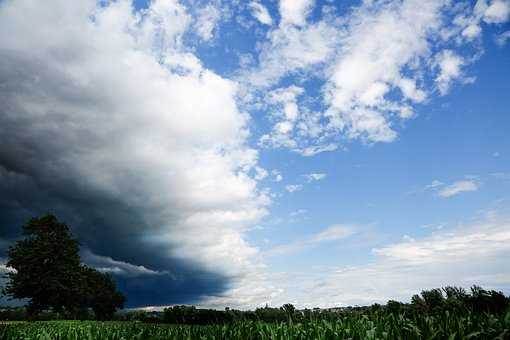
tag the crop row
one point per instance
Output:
(375, 326)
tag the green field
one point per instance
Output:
(351, 326)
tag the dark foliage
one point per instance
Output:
(430, 302)
(47, 264)
(48, 272)
(100, 293)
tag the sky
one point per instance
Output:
(244, 153)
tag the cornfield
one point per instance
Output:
(350, 326)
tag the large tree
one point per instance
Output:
(47, 266)
(48, 272)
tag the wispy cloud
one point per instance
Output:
(260, 13)
(435, 184)
(470, 254)
(298, 212)
(277, 175)
(459, 187)
(334, 232)
(293, 187)
(314, 177)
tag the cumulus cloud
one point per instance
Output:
(299, 47)
(261, 13)
(295, 11)
(207, 21)
(449, 65)
(459, 187)
(100, 125)
(497, 12)
(374, 64)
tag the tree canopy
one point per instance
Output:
(48, 272)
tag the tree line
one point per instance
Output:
(430, 302)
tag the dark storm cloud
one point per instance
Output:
(111, 229)
(94, 129)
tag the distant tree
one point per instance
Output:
(393, 306)
(418, 303)
(482, 300)
(289, 310)
(456, 298)
(47, 267)
(433, 298)
(457, 293)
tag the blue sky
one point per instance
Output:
(238, 153)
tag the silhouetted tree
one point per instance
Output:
(433, 298)
(394, 306)
(100, 293)
(47, 267)
(418, 303)
(289, 310)
(47, 272)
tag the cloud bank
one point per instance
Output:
(99, 124)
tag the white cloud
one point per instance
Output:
(449, 64)
(375, 65)
(109, 265)
(286, 113)
(314, 177)
(260, 173)
(459, 187)
(295, 11)
(316, 149)
(502, 38)
(472, 31)
(289, 49)
(277, 175)
(435, 184)
(4, 269)
(206, 21)
(334, 233)
(298, 212)
(497, 12)
(382, 41)
(470, 254)
(293, 187)
(116, 116)
(261, 13)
